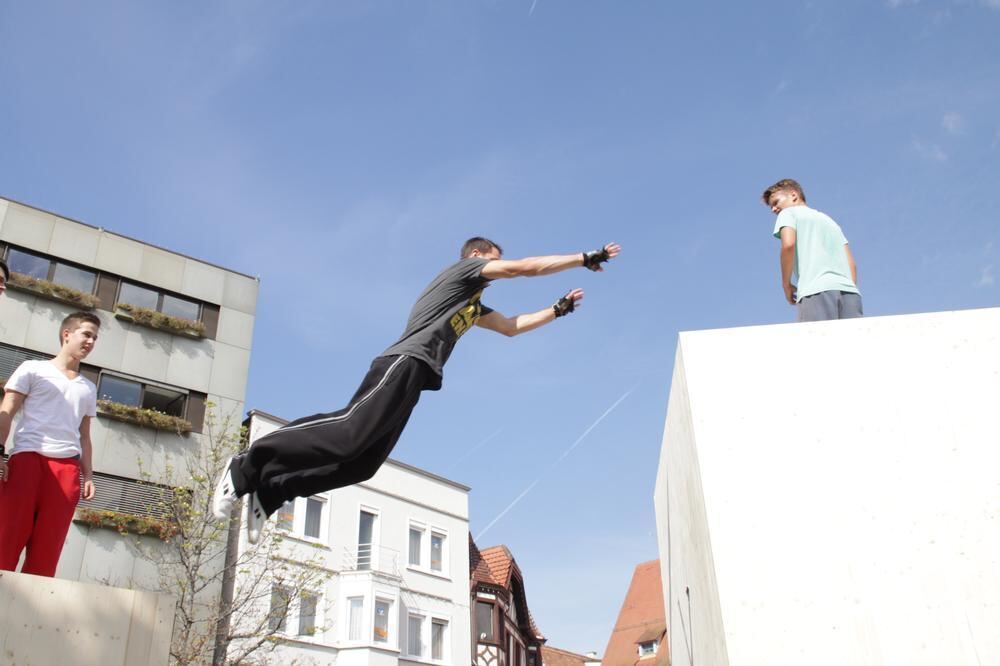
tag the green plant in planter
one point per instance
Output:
(154, 319)
(147, 418)
(126, 523)
(53, 290)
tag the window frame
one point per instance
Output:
(389, 623)
(315, 596)
(494, 633)
(362, 625)
(444, 622)
(422, 618)
(373, 559)
(415, 526)
(142, 389)
(53, 261)
(651, 653)
(160, 294)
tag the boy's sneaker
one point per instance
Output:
(225, 493)
(255, 518)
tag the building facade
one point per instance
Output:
(395, 552)
(504, 632)
(175, 338)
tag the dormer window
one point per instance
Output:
(647, 648)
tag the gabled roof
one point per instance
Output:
(641, 619)
(555, 657)
(496, 566)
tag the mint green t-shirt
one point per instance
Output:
(820, 259)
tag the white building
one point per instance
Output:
(829, 493)
(396, 548)
(59, 266)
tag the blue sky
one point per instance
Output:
(343, 151)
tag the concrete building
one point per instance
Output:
(396, 550)
(829, 493)
(201, 355)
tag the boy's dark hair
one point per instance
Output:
(479, 243)
(784, 184)
(75, 319)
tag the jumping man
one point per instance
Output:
(327, 451)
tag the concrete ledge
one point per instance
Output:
(829, 493)
(54, 621)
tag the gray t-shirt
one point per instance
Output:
(449, 306)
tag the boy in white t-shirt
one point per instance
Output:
(40, 482)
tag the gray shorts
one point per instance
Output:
(830, 305)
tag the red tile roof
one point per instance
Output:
(555, 657)
(641, 619)
(496, 566)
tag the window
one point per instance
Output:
(366, 536)
(44, 268)
(356, 618)
(647, 648)
(137, 394)
(302, 517)
(286, 516)
(307, 614)
(414, 639)
(151, 299)
(484, 620)
(381, 629)
(437, 551)
(416, 545)
(314, 513)
(281, 598)
(11, 357)
(439, 630)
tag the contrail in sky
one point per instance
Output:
(474, 449)
(532, 10)
(556, 463)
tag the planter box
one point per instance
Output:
(124, 523)
(50, 291)
(127, 314)
(144, 418)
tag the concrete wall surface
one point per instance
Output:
(46, 621)
(829, 493)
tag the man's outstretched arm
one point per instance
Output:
(511, 326)
(536, 266)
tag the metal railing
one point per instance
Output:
(371, 557)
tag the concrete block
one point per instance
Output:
(146, 353)
(15, 315)
(43, 326)
(829, 493)
(54, 621)
(162, 269)
(235, 328)
(119, 255)
(109, 352)
(74, 242)
(190, 363)
(204, 282)
(28, 227)
(240, 293)
(229, 372)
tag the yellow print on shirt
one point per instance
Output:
(467, 317)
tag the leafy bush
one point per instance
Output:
(53, 290)
(154, 319)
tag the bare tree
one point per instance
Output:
(198, 557)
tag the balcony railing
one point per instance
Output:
(371, 557)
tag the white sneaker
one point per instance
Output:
(225, 493)
(255, 518)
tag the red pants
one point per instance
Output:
(36, 508)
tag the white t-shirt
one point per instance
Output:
(54, 407)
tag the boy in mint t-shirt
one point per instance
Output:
(813, 248)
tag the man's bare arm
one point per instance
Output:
(12, 401)
(538, 266)
(788, 262)
(511, 326)
(850, 262)
(86, 460)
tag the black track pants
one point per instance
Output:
(326, 451)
